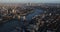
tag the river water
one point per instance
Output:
(11, 25)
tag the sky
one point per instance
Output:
(29, 1)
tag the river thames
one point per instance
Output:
(11, 25)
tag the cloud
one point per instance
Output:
(32, 1)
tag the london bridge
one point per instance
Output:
(30, 18)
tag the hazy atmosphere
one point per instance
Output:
(29, 1)
(29, 15)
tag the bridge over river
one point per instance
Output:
(11, 25)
